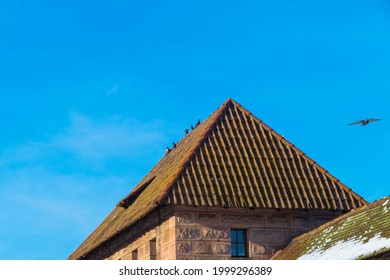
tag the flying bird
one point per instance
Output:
(366, 121)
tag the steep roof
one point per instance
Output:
(358, 234)
(232, 159)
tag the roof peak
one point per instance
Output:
(231, 159)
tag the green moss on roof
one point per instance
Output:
(359, 234)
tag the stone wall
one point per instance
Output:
(204, 233)
(164, 236)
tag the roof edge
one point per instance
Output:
(301, 153)
(192, 152)
(336, 220)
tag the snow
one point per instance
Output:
(385, 209)
(350, 249)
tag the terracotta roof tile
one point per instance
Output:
(232, 159)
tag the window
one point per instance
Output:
(239, 247)
(153, 249)
(134, 254)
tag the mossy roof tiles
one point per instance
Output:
(359, 234)
(232, 159)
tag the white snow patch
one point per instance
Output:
(385, 208)
(349, 249)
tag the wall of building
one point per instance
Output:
(204, 233)
(165, 245)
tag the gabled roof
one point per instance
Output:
(232, 159)
(359, 234)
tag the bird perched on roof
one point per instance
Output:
(366, 121)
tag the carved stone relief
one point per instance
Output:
(240, 219)
(216, 233)
(188, 233)
(184, 218)
(184, 247)
(258, 249)
(202, 248)
(221, 248)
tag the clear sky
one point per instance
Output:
(92, 92)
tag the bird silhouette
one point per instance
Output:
(192, 127)
(186, 131)
(173, 145)
(365, 122)
(167, 150)
(197, 123)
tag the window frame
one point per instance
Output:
(236, 245)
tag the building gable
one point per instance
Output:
(232, 159)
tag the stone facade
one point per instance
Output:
(165, 245)
(197, 233)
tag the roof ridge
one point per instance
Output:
(300, 152)
(141, 184)
(193, 151)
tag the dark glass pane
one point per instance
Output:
(241, 250)
(234, 250)
(233, 233)
(240, 236)
(238, 242)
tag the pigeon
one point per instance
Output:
(173, 145)
(192, 127)
(197, 123)
(167, 150)
(365, 122)
(186, 131)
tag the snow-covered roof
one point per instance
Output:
(360, 234)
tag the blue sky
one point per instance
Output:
(91, 93)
